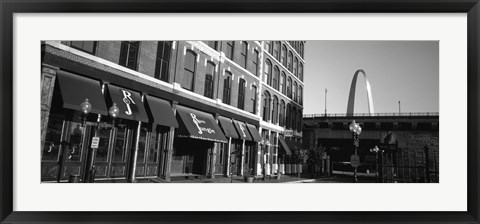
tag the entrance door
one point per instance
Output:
(103, 152)
(220, 160)
(120, 152)
(72, 150)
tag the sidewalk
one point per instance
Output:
(306, 178)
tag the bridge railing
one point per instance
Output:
(372, 114)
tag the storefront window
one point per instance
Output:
(152, 147)
(102, 150)
(141, 145)
(74, 149)
(52, 139)
(120, 142)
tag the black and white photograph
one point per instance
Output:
(240, 111)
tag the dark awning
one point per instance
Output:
(254, 132)
(199, 125)
(227, 127)
(129, 102)
(75, 89)
(161, 111)
(293, 145)
(242, 130)
(284, 146)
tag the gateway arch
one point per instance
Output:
(351, 97)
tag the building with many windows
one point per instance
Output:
(129, 110)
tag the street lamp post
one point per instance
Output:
(356, 130)
(376, 150)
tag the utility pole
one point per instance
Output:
(325, 102)
(399, 108)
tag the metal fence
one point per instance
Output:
(419, 166)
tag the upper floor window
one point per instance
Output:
(294, 92)
(254, 99)
(301, 49)
(282, 82)
(85, 46)
(299, 120)
(255, 62)
(243, 54)
(276, 74)
(268, 72)
(189, 70)
(275, 110)
(268, 46)
(281, 119)
(213, 44)
(209, 80)
(227, 86)
(300, 95)
(288, 116)
(300, 71)
(266, 106)
(162, 61)
(276, 50)
(241, 94)
(290, 61)
(289, 87)
(283, 57)
(295, 65)
(230, 49)
(294, 119)
(129, 54)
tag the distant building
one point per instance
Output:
(182, 108)
(404, 139)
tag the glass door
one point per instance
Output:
(119, 158)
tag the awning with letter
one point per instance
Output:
(161, 111)
(128, 102)
(75, 89)
(242, 130)
(199, 125)
(227, 127)
(254, 133)
(284, 147)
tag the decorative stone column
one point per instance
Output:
(47, 85)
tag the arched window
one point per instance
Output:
(227, 87)
(282, 82)
(276, 74)
(300, 71)
(295, 66)
(289, 87)
(275, 110)
(268, 72)
(283, 57)
(189, 70)
(268, 46)
(300, 95)
(288, 116)
(294, 92)
(290, 61)
(301, 49)
(282, 114)
(266, 105)
(209, 80)
(241, 94)
(299, 120)
(276, 50)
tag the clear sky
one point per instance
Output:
(405, 71)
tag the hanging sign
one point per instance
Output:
(95, 141)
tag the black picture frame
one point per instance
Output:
(9, 7)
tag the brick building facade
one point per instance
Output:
(146, 109)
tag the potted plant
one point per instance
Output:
(249, 176)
